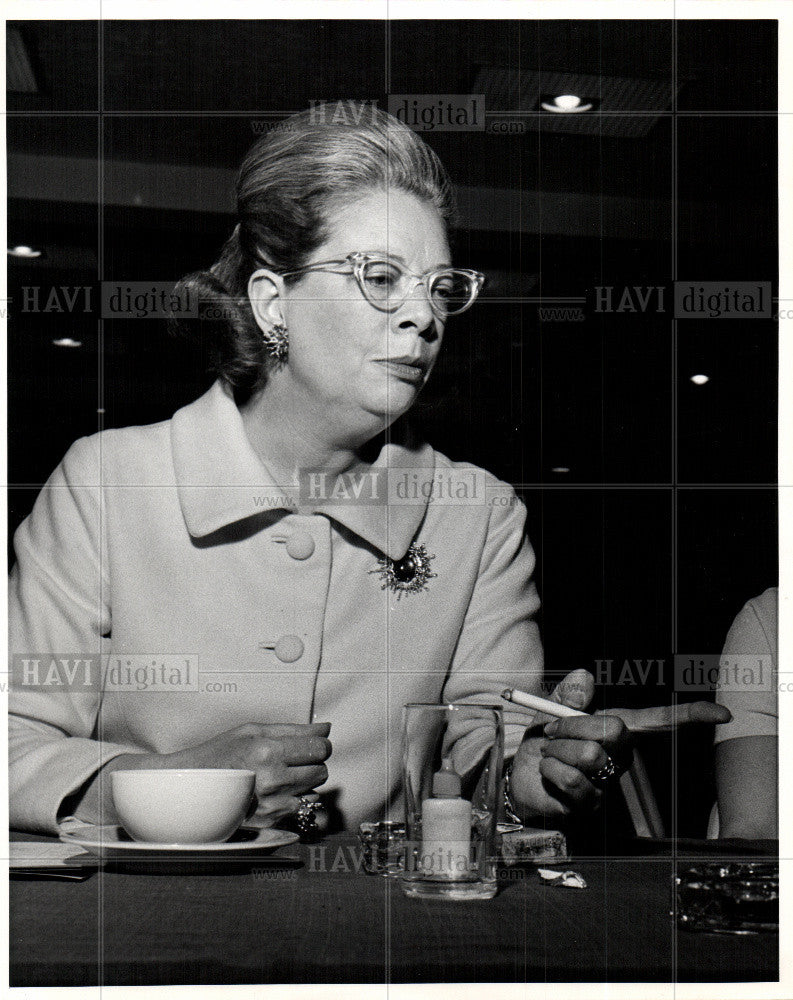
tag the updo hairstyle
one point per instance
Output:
(289, 183)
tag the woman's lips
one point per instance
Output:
(413, 373)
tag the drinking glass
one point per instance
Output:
(452, 761)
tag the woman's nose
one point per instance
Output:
(416, 310)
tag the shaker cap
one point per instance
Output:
(446, 783)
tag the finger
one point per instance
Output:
(305, 749)
(273, 779)
(289, 780)
(585, 755)
(303, 779)
(261, 822)
(266, 752)
(709, 713)
(666, 718)
(284, 801)
(277, 730)
(568, 783)
(609, 729)
(575, 690)
(273, 808)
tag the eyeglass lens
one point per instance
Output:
(449, 291)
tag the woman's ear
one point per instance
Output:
(264, 292)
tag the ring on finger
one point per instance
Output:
(605, 774)
(306, 817)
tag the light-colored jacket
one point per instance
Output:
(169, 550)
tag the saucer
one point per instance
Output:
(113, 843)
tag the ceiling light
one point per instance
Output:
(511, 90)
(700, 379)
(23, 251)
(560, 469)
(566, 104)
(67, 342)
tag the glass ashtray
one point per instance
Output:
(383, 847)
(728, 897)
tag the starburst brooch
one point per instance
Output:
(407, 575)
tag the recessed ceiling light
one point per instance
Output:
(67, 342)
(700, 379)
(23, 251)
(560, 469)
(566, 104)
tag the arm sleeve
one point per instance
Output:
(754, 709)
(499, 645)
(59, 610)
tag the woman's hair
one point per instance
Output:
(289, 182)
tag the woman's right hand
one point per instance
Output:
(287, 759)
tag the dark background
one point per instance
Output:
(664, 523)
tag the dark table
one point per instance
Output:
(324, 921)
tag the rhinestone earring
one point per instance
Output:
(276, 343)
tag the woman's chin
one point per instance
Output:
(394, 401)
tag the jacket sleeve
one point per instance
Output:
(59, 610)
(499, 645)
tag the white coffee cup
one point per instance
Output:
(182, 806)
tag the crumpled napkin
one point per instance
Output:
(571, 880)
(70, 824)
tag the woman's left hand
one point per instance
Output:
(551, 772)
(578, 750)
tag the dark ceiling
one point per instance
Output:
(252, 65)
(185, 94)
(176, 76)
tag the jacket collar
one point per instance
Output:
(220, 479)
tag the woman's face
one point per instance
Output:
(360, 365)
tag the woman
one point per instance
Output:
(248, 536)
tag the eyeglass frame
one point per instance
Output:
(358, 260)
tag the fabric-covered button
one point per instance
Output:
(289, 648)
(300, 545)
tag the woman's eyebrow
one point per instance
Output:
(386, 253)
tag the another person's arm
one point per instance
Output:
(746, 749)
(746, 783)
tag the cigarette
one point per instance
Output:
(634, 783)
(539, 704)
